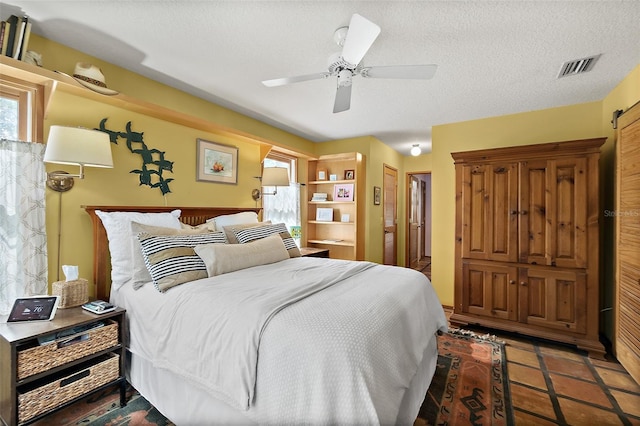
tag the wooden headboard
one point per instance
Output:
(101, 264)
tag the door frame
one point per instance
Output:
(394, 262)
(408, 207)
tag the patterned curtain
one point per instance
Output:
(23, 237)
(284, 207)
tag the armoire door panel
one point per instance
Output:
(503, 213)
(475, 244)
(553, 221)
(490, 290)
(553, 299)
(490, 208)
(568, 245)
(534, 205)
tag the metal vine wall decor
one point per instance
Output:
(153, 162)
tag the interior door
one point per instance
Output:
(390, 215)
(627, 217)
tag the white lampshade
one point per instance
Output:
(78, 146)
(275, 176)
(415, 150)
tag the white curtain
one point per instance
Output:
(23, 238)
(284, 207)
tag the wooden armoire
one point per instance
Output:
(527, 241)
(627, 217)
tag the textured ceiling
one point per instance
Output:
(494, 58)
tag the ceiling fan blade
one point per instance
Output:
(288, 80)
(361, 35)
(343, 98)
(419, 72)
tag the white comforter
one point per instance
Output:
(287, 340)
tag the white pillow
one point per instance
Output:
(140, 272)
(122, 240)
(234, 219)
(223, 258)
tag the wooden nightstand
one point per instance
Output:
(314, 252)
(87, 355)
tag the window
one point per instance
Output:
(23, 238)
(284, 207)
(21, 110)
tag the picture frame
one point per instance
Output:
(216, 162)
(321, 174)
(333, 177)
(324, 214)
(376, 195)
(343, 192)
(345, 218)
(349, 174)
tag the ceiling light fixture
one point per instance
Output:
(415, 150)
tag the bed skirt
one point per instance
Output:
(186, 405)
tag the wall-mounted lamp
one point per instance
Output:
(76, 146)
(272, 176)
(415, 150)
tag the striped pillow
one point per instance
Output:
(171, 259)
(255, 233)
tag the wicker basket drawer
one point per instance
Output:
(69, 348)
(81, 380)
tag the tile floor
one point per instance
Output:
(556, 384)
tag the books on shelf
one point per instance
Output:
(14, 36)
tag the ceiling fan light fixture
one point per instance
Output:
(415, 150)
(340, 35)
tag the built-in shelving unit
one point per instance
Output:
(342, 229)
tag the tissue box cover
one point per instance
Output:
(71, 293)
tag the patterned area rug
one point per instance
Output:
(470, 386)
(103, 409)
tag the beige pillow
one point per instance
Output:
(223, 258)
(140, 272)
(229, 230)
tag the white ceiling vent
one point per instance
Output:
(578, 66)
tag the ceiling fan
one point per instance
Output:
(355, 40)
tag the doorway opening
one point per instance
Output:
(418, 220)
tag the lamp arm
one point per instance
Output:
(58, 174)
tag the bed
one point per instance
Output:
(300, 340)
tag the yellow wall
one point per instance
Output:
(556, 124)
(118, 186)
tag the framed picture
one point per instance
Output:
(349, 174)
(376, 195)
(343, 192)
(324, 214)
(345, 217)
(217, 162)
(322, 174)
(333, 177)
